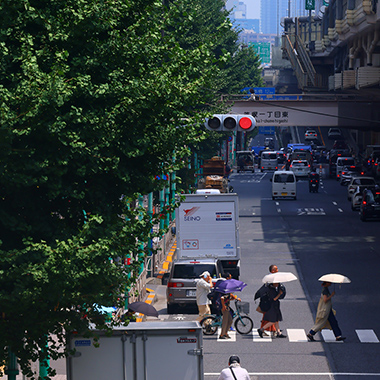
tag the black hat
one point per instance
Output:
(234, 359)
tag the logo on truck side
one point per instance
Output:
(190, 244)
(223, 216)
(186, 340)
(188, 217)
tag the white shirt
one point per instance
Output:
(240, 373)
(203, 288)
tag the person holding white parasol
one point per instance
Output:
(325, 317)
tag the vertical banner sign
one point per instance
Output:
(310, 5)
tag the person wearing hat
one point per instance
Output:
(234, 371)
(204, 285)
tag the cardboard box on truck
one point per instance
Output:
(213, 175)
(140, 351)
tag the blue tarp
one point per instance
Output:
(300, 146)
(257, 149)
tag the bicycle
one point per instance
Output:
(243, 323)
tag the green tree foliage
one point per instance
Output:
(95, 98)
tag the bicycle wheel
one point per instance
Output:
(243, 325)
(209, 325)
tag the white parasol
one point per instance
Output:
(335, 278)
(275, 278)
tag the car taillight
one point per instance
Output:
(175, 285)
(364, 203)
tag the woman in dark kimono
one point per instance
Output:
(273, 316)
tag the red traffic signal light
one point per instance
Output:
(229, 122)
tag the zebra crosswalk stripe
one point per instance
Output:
(367, 336)
(264, 339)
(299, 336)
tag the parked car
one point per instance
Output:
(334, 134)
(359, 181)
(181, 286)
(300, 168)
(311, 134)
(370, 205)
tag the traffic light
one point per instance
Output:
(240, 123)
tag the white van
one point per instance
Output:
(268, 160)
(342, 162)
(284, 184)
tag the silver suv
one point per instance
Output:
(181, 287)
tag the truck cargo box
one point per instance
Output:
(140, 351)
(208, 227)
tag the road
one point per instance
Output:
(312, 236)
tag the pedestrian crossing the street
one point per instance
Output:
(299, 336)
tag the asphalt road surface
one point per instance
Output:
(311, 236)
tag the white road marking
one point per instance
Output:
(264, 339)
(297, 335)
(367, 336)
(328, 374)
(328, 336)
(335, 204)
(232, 334)
(340, 210)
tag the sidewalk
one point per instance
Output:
(154, 284)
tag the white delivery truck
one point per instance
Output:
(207, 226)
(140, 351)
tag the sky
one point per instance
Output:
(253, 8)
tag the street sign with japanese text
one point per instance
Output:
(310, 5)
(288, 113)
(263, 50)
(264, 90)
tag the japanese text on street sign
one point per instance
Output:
(271, 117)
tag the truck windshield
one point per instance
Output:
(193, 270)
